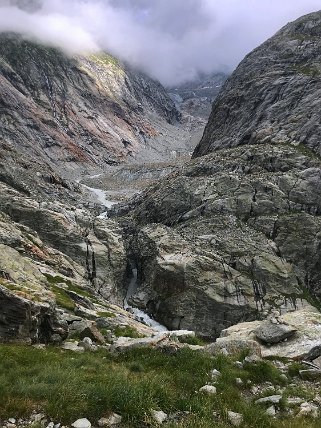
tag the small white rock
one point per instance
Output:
(81, 423)
(112, 420)
(224, 351)
(215, 374)
(208, 389)
(271, 411)
(308, 409)
(86, 343)
(51, 425)
(238, 381)
(292, 401)
(235, 418)
(38, 417)
(255, 390)
(238, 364)
(12, 420)
(273, 399)
(159, 416)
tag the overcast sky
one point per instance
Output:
(172, 40)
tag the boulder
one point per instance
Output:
(271, 399)
(208, 389)
(113, 420)
(81, 423)
(235, 419)
(269, 332)
(159, 416)
(310, 374)
(308, 409)
(72, 346)
(305, 344)
(23, 320)
(92, 332)
(271, 411)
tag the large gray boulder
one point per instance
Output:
(274, 332)
(25, 321)
(305, 344)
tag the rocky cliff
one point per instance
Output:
(274, 95)
(63, 117)
(77, 114)
(236, 232)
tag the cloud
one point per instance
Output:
(172, 40)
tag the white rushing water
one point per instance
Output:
(100, 196)
(140, 315)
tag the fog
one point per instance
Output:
(171, 40)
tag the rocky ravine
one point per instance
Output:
(223, 239)
(236, 232)
(63, 119)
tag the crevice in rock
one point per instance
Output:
(90, 263)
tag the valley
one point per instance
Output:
(160, 247)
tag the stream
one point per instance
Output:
(139, 314)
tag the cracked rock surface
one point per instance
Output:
(237, 231)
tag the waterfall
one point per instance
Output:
(139, 315)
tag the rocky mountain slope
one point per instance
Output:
(236, 232)
(61, 118)
(79, 114)
(274, 94)
(196, 97)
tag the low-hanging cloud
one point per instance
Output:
(172, 40)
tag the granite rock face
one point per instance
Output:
(64, 117)
(305, 344)
(23, 320)
(230, 237)
(274, 94)
(236, 232)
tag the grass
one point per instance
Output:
(192, 340)
(67, 386)
(126, 332)
(106, 315)
(310, 71)
(62, 298)
(105, 59)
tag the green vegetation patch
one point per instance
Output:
(62, 298)
(192, 340)
(66, 386)
(105, 59)
(106, 314)
(306, 70)
(127, 332)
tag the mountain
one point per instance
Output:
(196, 97)
(235, 233)
(68, 116)
(274, 94)
(63, 118)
